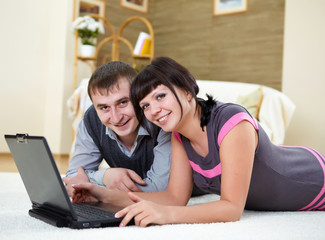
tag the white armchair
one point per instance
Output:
(274, 109)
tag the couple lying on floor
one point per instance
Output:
(163, 144)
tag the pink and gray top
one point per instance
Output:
(284, 178)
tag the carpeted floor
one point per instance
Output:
(15, 223)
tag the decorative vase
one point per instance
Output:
(87, 51)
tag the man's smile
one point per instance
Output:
(121, 124)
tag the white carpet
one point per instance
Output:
(15, 223)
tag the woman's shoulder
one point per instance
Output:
(226, 110)
(224, 113)
(226, 116)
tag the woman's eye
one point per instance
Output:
(143, 107)
(161, 96)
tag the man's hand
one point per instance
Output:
(123, 179)
(81, 177)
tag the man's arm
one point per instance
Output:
(87, 155)
(158, 175)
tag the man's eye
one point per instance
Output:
(123, 103)
(104, 108)
(161, 96)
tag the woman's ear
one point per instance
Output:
(189, 96)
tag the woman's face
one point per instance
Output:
(161, 107)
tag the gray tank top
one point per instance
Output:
(284, 178)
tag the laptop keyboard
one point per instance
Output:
(90, 212)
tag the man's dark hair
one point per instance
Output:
(108, 75)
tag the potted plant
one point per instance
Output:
(88, 30)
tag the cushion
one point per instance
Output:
(252, 102)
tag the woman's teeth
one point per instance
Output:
(162, 119)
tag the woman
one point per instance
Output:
(220, 147)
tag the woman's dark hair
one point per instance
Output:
(166, 71)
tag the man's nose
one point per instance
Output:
(115, 115)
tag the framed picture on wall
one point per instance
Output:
(86, 7)
(137, 5)
(224, 7)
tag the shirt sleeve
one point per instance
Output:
(158, 175)
(87, 155)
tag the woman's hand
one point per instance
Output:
(144, 213)
(87, 192)
(81, 177)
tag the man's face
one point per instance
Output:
(115, 109)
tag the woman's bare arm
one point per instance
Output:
(178, 192)
(237, 155)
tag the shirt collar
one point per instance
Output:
(112, 134)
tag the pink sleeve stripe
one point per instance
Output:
(321, 160)
(233, 121)
(216, 171)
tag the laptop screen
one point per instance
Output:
(39, 172)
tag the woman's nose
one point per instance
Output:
(154, 108)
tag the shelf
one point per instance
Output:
(144, 56)
(87, 58)
(116, 39)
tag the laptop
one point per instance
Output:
(47, 192)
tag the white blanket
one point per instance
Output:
(15, 223)
(275, 112)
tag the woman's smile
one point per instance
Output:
(163, 119)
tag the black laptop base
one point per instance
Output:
(59, 221)
(49, 218)
(44, 185)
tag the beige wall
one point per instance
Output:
(37, 70)
(304, 71)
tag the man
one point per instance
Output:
(111, 131)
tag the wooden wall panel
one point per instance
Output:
(184, 33)
(246, 47)
(117, 15)
(243, 47)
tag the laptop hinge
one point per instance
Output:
(52, 210)
(22, 138)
